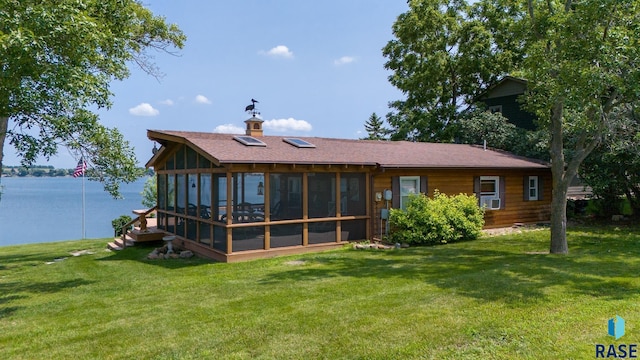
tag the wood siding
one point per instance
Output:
(512, 110)
(453, 182)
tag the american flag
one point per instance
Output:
(80, 168)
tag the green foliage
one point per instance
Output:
(613, 169)
(150, 192)
(479, 125)
(579, 58)
(443, 219)
(57, 59)
(375, 128)
(440, 58)
(119, 222)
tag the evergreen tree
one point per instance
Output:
(375, 128)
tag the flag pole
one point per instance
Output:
(79, 171)
(84, 234)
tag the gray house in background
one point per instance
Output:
(503, 96)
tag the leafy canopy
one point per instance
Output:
(57, 60)
(581, 60)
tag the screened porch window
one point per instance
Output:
(247, 198)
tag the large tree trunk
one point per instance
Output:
(560, 184)
(564, 172)
(4, 125)
(559, 243)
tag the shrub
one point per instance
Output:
(440, 220)
(118, 223)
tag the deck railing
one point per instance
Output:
(142, 219)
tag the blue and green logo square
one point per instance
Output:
(616, 327)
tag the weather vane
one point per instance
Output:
(252, 108)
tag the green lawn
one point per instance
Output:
(494, 298)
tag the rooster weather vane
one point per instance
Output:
(252, 108)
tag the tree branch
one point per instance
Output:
(567, 5)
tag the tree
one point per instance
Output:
(479, 126)
(150, 192)
(57, 60)
(613, 168)
(580, 59)
(440, 60)
(375, 128)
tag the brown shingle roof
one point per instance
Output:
(388, 154)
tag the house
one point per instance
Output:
(503, 96)
(234, 197)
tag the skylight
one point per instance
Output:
(248, 140)
(298, 143)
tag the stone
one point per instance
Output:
(174, 256)
(617, 217)
(404, 245)
(358, 246)
(153, 256)
(186, 254)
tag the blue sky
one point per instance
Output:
(316, 68)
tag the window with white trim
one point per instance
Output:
(533, 188)
(490, 192)
(408, 185)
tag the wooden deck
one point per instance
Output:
(135, 236)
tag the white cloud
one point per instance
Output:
(344, 60)
(144, 109)
(228, 129)
(167, 102)
(279, 51)
(284, 125)
(201, 99)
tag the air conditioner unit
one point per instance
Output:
(490, 202)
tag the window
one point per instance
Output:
(298, 143)
(285, 200)
(322, 195)
(352, 188)
(248, 140)
(532, 188)
(490, 192)
(408, 185)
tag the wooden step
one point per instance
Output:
(117, 244)
(151, 234)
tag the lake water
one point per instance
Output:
(35, 210)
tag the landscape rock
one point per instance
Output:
(186, 254)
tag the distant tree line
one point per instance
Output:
(50, 171)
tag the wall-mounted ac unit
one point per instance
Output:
(490, 202)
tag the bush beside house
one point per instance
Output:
(440, 220)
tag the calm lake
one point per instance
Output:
(35, 210)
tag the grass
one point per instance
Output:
(494, 298)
